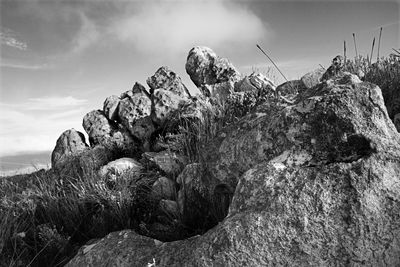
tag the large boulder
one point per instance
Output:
(312, 78)
(168, 80)
(255, 82)
(110, 107)
(328, 123)
(292, 87)
(143, 129)
(164, 103)
(164, 188)
(396, 121)
(220, 90)
(134, 105)
(169, 208)
(195, 195)
(70, 142)
(116, 169)
(168, 162)
(102, 131)
(84, 164)
(206, 68)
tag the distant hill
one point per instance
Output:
(24, 163)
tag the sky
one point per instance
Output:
(61, 59)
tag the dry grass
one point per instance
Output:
(46, 221)
(385, 73)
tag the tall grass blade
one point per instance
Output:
(355, 44)
(379, 44)
(344, 52)
(372, 51)
(397, 51)
(272, 62)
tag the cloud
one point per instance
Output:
(24, 66)
(54, 103)
(175, 26)
(9, 38)
(87, 34)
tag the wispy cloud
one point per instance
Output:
(54, 103)
(87, 34)
(10, 38)
(24, 66)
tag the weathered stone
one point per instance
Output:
(163, 104)
(171, 142)
(313, 131)
(199, 65)
(195, 109)
(114, 170)
(70, 142)
(102, 131)
(244, 85)
(224, 70)
(334, 69)
(204, 67)
(256, 82)
(396, 121)
(169, 207)
(219, 90)
(110, 107)
(98, 127)
(195, 194)
(164, 188)
(122, 138)
(143, 128)
(168, 80)
(261, 82)
(137, 88)
(348, 78)
(312, 78)
(169, 162)
(85, 163)
(135, 104)
(255, 86)
(290, 88)
(118, 241)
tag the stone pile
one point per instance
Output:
(310, 177)
(136, 130)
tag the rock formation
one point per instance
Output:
(312, 78)
(70, 142)
(134, 105)
(307, 177)
(213, 75)
(118, 168)
(110, 107)
(396, 121)
(166, 79)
